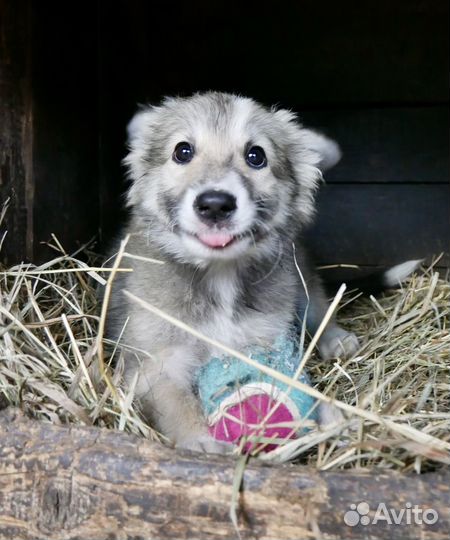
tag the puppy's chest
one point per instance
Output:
(238, 316)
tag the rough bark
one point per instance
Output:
(89, 483)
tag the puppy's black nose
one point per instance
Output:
(215, 205)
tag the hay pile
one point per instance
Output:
(56, 365)
(402, 373)
(50, 345)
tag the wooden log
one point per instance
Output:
(70, 482)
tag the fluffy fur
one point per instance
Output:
(245, 292)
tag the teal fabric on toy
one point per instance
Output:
(239, 400)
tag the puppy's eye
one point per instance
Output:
(183, 152)
(256, 157)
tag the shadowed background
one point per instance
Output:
(373, 75)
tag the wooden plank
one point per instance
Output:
(72, 482)
(355, 277)
(380, 224)
(387, 145)
(48, 126)
(301, 54)
(118, 99)
(15, 130)
(65, 101)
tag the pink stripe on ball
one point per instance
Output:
(244, 419)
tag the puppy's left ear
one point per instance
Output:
(311, 146)
(326, 150)
(309, 154)
(316, 154)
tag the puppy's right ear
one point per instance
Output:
(140, 125)
(140, 131)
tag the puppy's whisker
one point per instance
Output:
(252, 237)
(274, 266)
(261, 225)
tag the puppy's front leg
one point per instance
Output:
(335, 341)
(176, 412)
(165, 395)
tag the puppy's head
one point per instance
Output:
(217, 176)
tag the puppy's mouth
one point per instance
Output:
(216, 240)
(221, 240)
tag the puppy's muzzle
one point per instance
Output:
(214, 207)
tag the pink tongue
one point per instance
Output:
(219, 239)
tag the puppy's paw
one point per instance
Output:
(338, 343)
(203, 442)
(329, 415)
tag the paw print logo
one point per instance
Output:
(357, 514)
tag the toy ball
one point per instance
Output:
(250, 409)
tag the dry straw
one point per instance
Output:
(56, 364)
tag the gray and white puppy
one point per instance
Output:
(221, 188)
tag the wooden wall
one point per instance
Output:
(372, 74)
(15, 131)
(48, 125)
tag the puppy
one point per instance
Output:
(221, 188)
